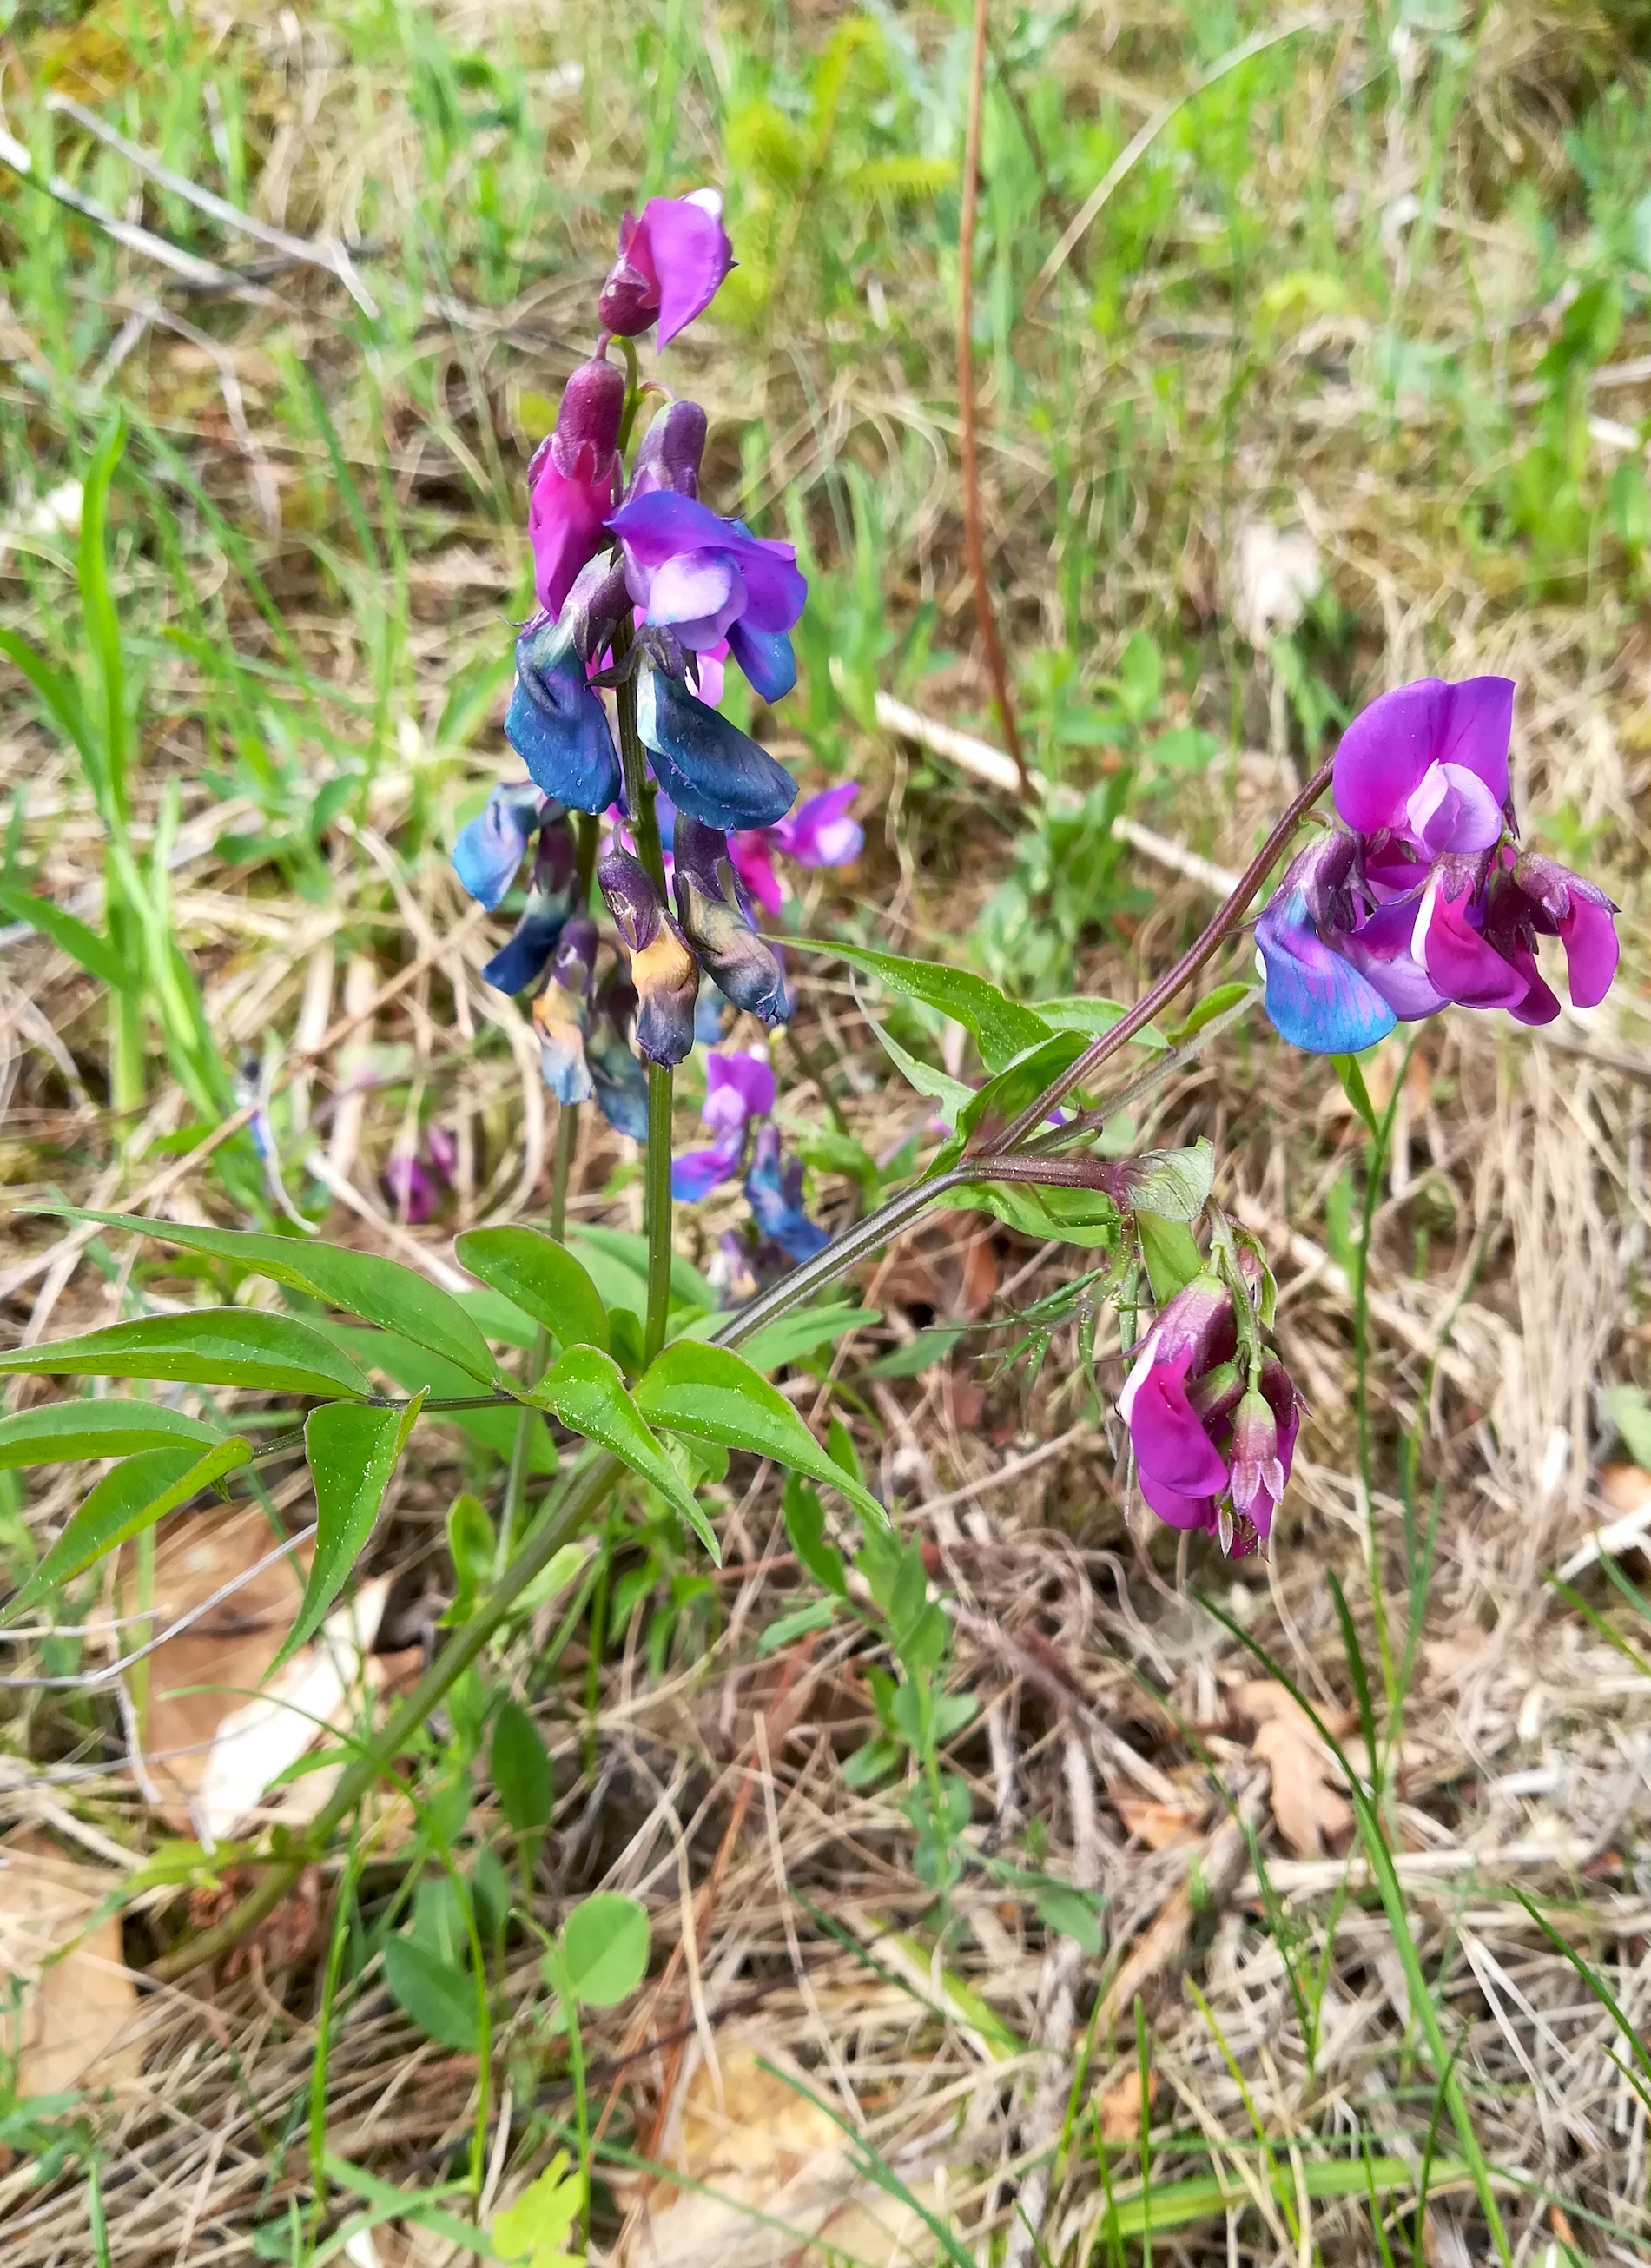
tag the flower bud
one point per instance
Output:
(560, 1013)
(669, 457)
(671, 264)
(715, 915)
(552, 898)
(488, 854)
(573, 481)
(621, 1082)
(663, 969)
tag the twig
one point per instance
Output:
(1124, 162)
(329, 255)
(980, 759)
(204, 275)
(986, 622)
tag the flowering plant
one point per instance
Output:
(658, 832)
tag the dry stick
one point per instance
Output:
(986, 621)
(1227, 919)
(168, 1178)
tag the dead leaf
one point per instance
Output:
(757, 2146)
(1305, 1795)
(66, 2030)
(1161, 1826)
(212, 1740)
(1625, 1488)
(1120, 2108)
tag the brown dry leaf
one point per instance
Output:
(1161, 1826)
(66, 2029)
(212, 1741)
(762, 2148)
(1120, 2108)
(1307, 1801)
(1625, 1488)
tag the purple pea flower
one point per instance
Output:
(774, 1190)
(818, 833)
(414, 1191)
(1198, 1433)
(738, 1088)
(671, 265)
(704, 578)
(1427, 901)
(553, 898)
(489, 853)
(574, 479)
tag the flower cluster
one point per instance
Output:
(1212, 1418)
(738, 1111)
(643, 590)
(1423, 898)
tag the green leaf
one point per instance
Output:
(820, 1614)
(439, 1996)
(61, 695)
(58, 1433)
(1213, 1004)
(918, 1355)
(1357, 1092)
(1069, 1914)
(805, 1524)
(99, 622)
(1022, 1081)
(537, 2228)
(1002, 1026)
(711, 1393)
(951, 1094)
(875, 1762)
(1175, 1184)
(1086, 1218)
(139, 1492)
(605, 1949)
(472, 1547)
(411, 1367)
(352, 1452)
(1171, 1255)
(357, 1283)
(790, 1336)
(1081, 1012)
(207, 1346)
(95, 955)
(585, 1389)
(520, 1764)
(688, 1287)
(541, 1276)
(1626, 1406)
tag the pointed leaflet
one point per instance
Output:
(358, 1282)
(59, 1433)
(138, 1492)
(209, 1346)
(96, 955)
(541, 1276)
(352, 1453)
(585, 1389)
(714, 1395)
(1002, 1026)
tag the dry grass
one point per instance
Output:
(1113, 1728)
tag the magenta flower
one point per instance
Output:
(573, 480)
(1427, 901)
(671, 265)
(1196, 1433)
(738, 1088)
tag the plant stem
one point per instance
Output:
(656, 1220)
(566, 1515)
(974, 546)
(1225, 921)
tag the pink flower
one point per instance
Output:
(818, 833)
(574, 480)
(671, 265)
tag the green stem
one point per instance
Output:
(657, 1219)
